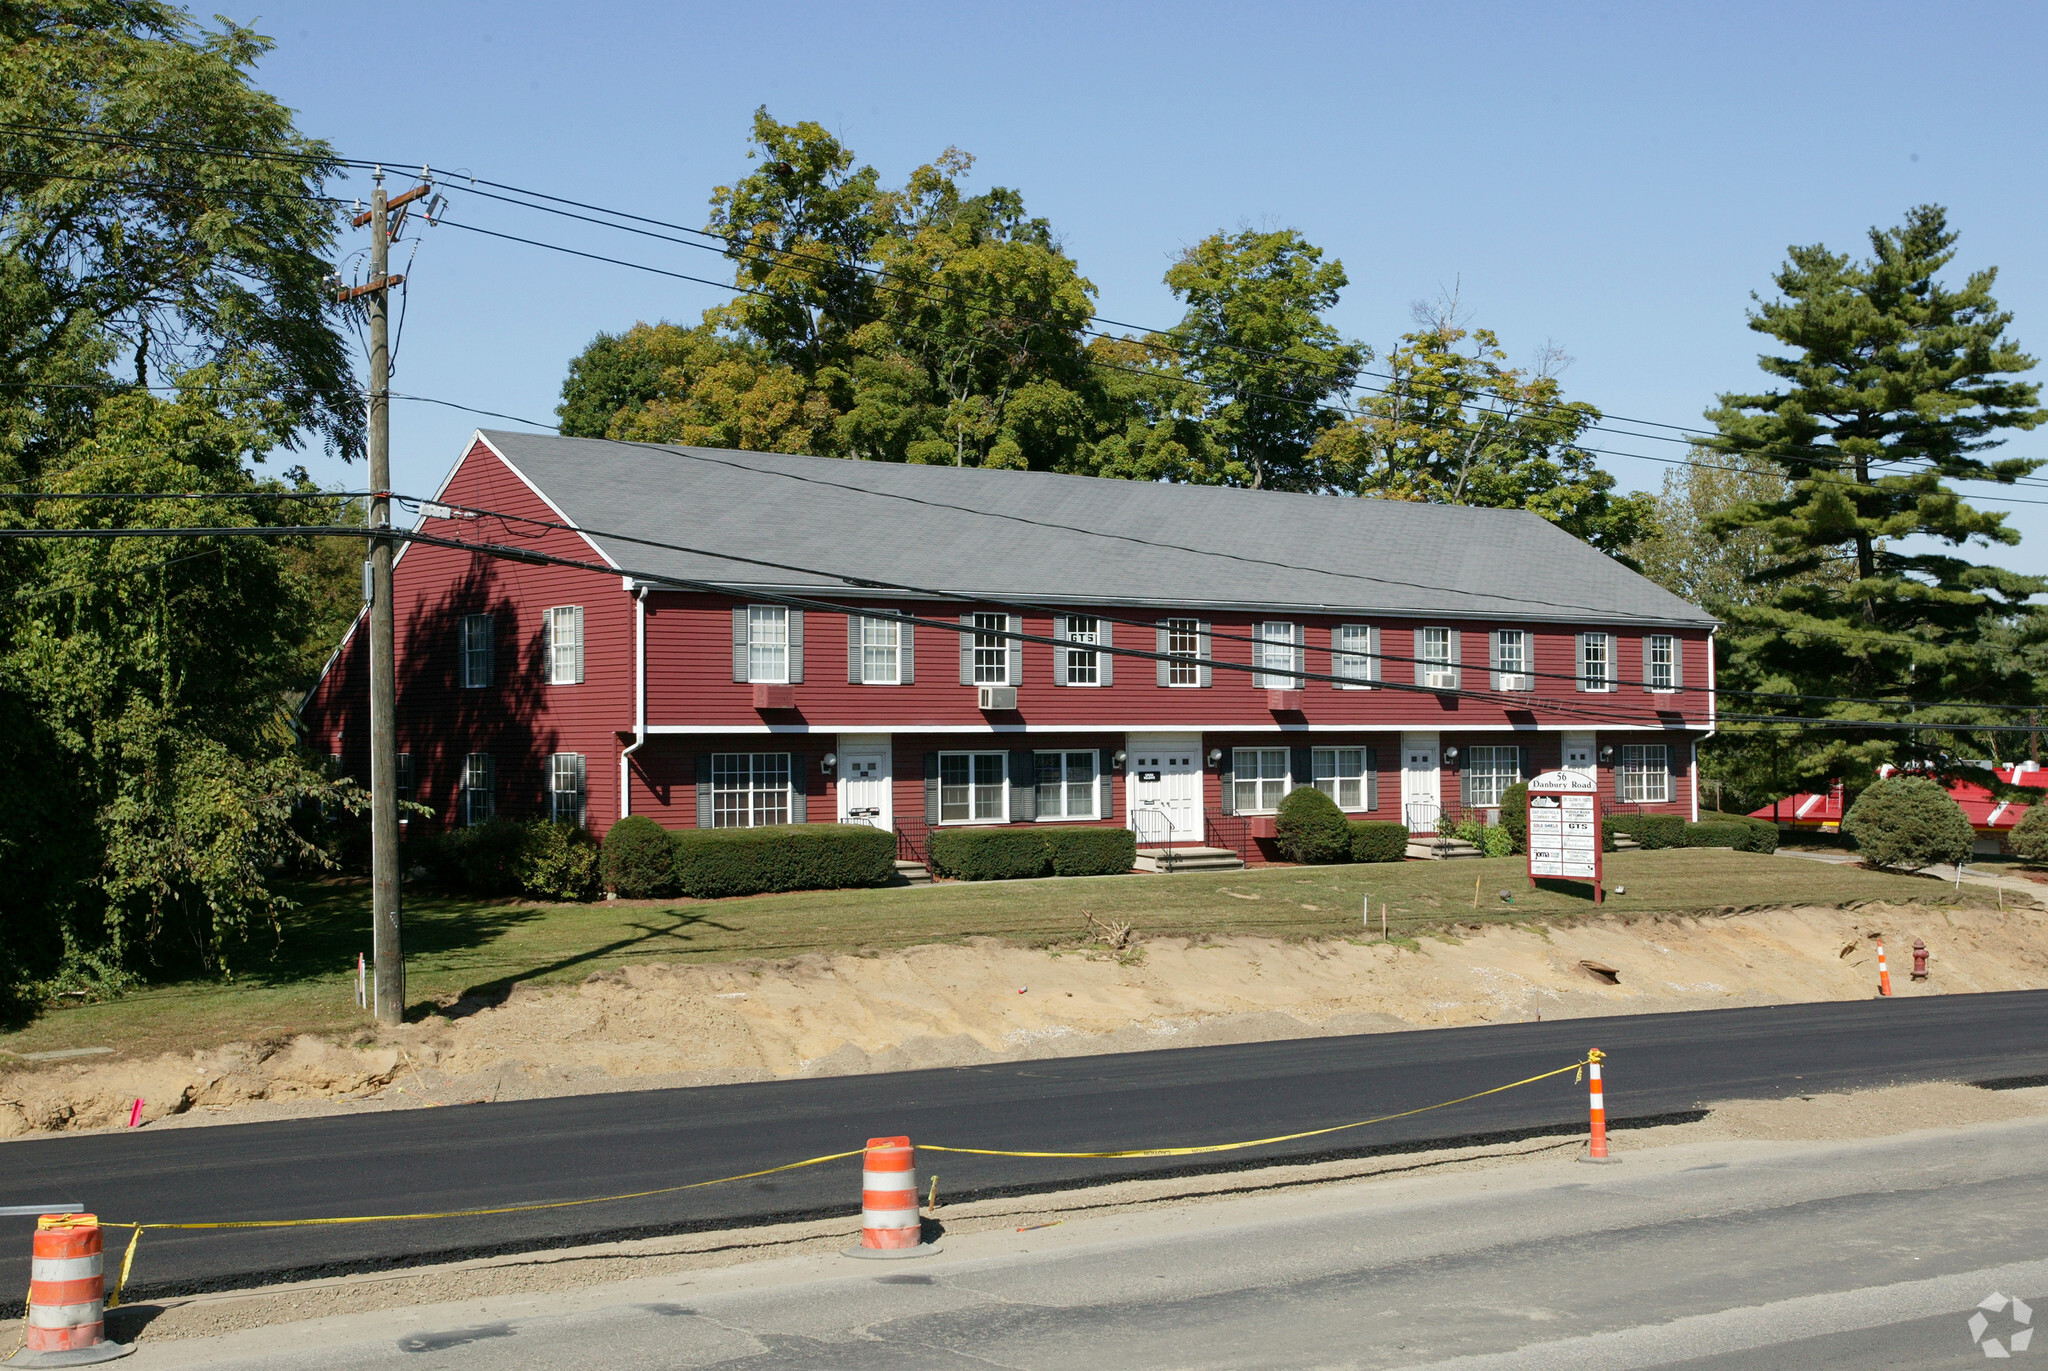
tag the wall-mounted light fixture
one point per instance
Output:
(1607, 754)
(1215, 756)
(1116, 760)
(827, 762)
(1450, 754)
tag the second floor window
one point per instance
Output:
(565, 645)
(1276, 659)
(991, 650)
(1083, 667)
(1662, 661)
(768, 644)
(1351, 661)
(479, 651)
(881, 646)
(1439, 672)
(1596, 661)
(1511, 655)
(1184, 645)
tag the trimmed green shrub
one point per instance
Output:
(1649, 830)
(1310, 828)
(639, 859)
(990, 854)
(557, 861)
(481, 859)
(1759, 835)
(1717, 835)
(1377, 840)
(2030, 836)
(1907, 822)
(712, 863)
(1091, 851)
(1514, 815)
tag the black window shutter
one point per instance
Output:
(1674, 759)
(796, 647)
(853, 622)
(1372, 778)
(1023, 786)
(967, 649)
(799, 788)
(1301, 767)
(1464, 784)
(739, 642)
(1615, 766)
(1226, 775)
(931, 787)
(1107, 807)
(704, 814)
(1161, 641)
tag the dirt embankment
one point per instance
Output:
(658, 1025)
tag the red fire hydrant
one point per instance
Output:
(1919, 960)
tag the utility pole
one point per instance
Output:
(384, 858)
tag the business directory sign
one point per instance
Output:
(1564, 829)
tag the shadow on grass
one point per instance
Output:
(493, 993)
(323, 936)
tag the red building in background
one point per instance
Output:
(1993, 818)
(962, 652)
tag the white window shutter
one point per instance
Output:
(1457, 659)
(796, 647)
(1062, 662)
(1493, 660)
(1207, 656)
(1105, 661)
(1161, 643)
(1421, 651)
(1372, 647)
(547, 648)
(576, 622)
(1015, 623)
(1581, 658)
(854, 623)
(739, 643)
(906, 653)
(1677, 662)
(1300, 632)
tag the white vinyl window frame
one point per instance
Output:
(1067, 787)
(1340, 774)
(992, 650)
(1596, 662)
(974, 787)
(1275, 656)
(1352, 660)
(479, 788)
(1646, 774)
(1513, 646)
(1259, 775)
(1184, 649)
(563, 659)
(768, 644)
(881, 651)
(1439, 672)
(1489, 771)
(478, 650)
(1081, 664)
(567, 787)
(1661, 656)
(750, 789)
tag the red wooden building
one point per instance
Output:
(986, 646)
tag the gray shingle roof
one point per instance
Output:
(1034, 536)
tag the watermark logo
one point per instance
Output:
(2016, 1339)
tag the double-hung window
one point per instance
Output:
(1340, 774)
(1083, 666)
(565, 787)
(479, 651)
(1489, 771)
(1660, 662)
(1645, 774)
(1352, 660)
(1596, 661)
(881, 651)
(1066, 785)
(479, 788)
(1439, 671)
(565, 645)
(749, 789)
(973, 787)
(1260, 776)
(768, 644)
(1511, 660)
(403, 781)
(1276, 650)
(992, 650)
(1183, 648)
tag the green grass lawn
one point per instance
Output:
(481, 949)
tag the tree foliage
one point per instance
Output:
(1893, 385)
(1908, 822)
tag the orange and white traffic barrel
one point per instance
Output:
(67, 1295)
(890, 1225)
(1884, 973)
(1597, 1151)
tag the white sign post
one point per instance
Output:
(1564, 829)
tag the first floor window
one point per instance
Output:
(1514, 659)
(880, 651)
(565, 787)
(1340, 774)
(1645, 774)
(1663, 662)
(1066, 785)
(972, 787)
(1183, 646)
(1489, 772)
(1439, 672)
(768, 644)
(1350, 661)
(1596, 661)
(479, 651)
(1260, 775)
(479, 788)
(565, 645)
(1084, 633)
(991, 650)
(749, 789)
(1275, 660)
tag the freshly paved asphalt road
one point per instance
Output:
(1714, 1257)
(557, 1149)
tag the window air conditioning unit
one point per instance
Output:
(995, 699)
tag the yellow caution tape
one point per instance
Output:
(1254, 1142)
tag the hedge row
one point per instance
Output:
(1736, 831)
(1377, 840)
(713, 863)
(536, 858)
(1010, 854)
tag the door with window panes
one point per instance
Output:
(1163, 787)
(864, 780)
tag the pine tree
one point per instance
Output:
(1893, 386)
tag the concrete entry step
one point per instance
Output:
(1188, 859)
(912, 873)
(1430, 848)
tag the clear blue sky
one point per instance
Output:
(1616, 179)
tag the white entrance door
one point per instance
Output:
(1421, 783)
(1578, 754)
(1163, 787)
(864, 784)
